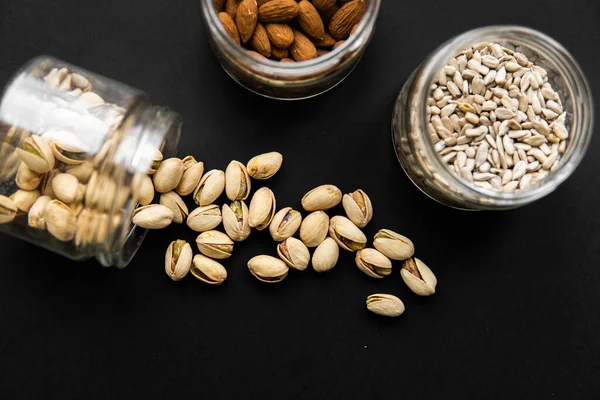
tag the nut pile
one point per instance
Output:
(315, 231)
(287, 30)
(495, 119)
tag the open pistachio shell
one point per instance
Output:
(176, 205)
(27, 179)
(346, 234)
(262, 209)
(153, 216)
(24, 199)
(358, 207)
(235, 220)
(36, 153)
(8, 210)
(35, 217)
(60, 220)
(68, 154)
(208, 270)
(237, 181)
(215, 244)
(210, 187)
(373, 263)
(285, 223)
(205, 218)
(168, 175)
(178, 259)
(385, 305)
(294, 253)
(314, 228)
(393, 245)
(418, 277)
(268, 269)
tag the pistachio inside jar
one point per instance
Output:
(76, 152)
(287, 50)
(494, 119)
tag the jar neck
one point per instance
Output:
(109, 235)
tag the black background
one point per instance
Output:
(517, 311)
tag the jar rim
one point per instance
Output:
(291, 70)
(576, 84)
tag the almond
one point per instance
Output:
(281, 35)
(310, 21)
(338, 44)
(324, 5)
(261, 2)
(219, 5)
(231, 7)
(286, 60)
(327, 14)
(260, 41)
(255, 54)
(229, 26)
(246, 17)
(327, 41)
(278, 53)
(345, 18)
(302, 49)
(278, 11)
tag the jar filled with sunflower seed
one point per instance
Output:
(76, 152)
(494, 119)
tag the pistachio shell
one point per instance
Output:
(358, 207)
(215, 244)
(285, 223)
(87, 100)
(188, 162)
(156, 160)
(393, 245)
(418, 277)
(346, 234)
(145, 190)
(24, 199)
(68, 154)
(262, 209)
(208, 270)
(190, 179)
(36, 153)
(210, 187)
(178, 259)
(46, 184)
(321, 198)
(8, 210)
(83, 172)
(27, 179)
(373, 263)
(205, 218)
(268, 269)
(168, 175)
(264, 166)
(325, 256)
(385, 305)
(237, 181)
(176, 205)
(294, 253)
(35, 218)
(60, 220)
(314, 228)
(153, 216)
(65, 187)
(235, 220)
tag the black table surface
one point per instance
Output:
(517, 311)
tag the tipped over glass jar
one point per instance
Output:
(494, 119)
(74, 149)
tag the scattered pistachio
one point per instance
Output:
(176, 205)
(237, 181)
(205, 218)
(210, 187)
(60, 220)
(285, 223)
(393, 245)
(36, 154)
(168, 175)
(156, 160)
(153, 216)
(191, 177)
(386, 305)
(208, 270)
(314, 228)
(24, 199)
(35, 218)
(262, 209)
(358, 208)
(27, 179)
(326, 255)
(346, 234)
(8, 210)
(373, 263)
(418, 277)
(294, 253)
(322, 198)
(215, 244)
(145, 190)
(235, 220)
(65, 187)
(178, 259)
(264, 166)
(268, 269)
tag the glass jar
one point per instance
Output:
(289, 81)
(415, 148)
(75, 147)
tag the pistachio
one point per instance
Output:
(346, 234)
(60, 220)
(204, 218)
(418, 277)
(156, 160)
(82, 172)
(294, 253)
(268, 269)
(27, 179)
(393, 245)
(188, 162)
(285, 223)
(76, 208)
(36, 154)
(322, 198)
(264, 166)
(8, 210)
(35, 218)
(373, 263)
(145, 190)
(68, 154)
(237, 181)
(65, 187)
(210, 187)
(385, 305)
(215, 244)
(358, 208)
(314, 228)
(80, 81)
(178, 259)
(87, 100)
(46, 184)
(208, 270)
(262, 209)
(235, 220)
(326, 255)
(81, 189)
(176, 205)
(190, 179)
(153, 216)
(24, 199)
(168, 175)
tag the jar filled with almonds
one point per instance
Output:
(494, 119)
(77, 151)
(288, 49)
